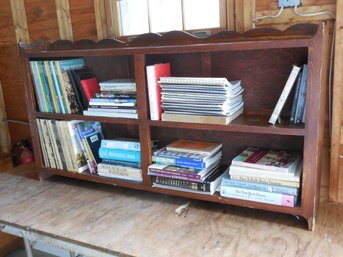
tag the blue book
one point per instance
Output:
(90, 133)
(113, 100)
(302, 96)
(121, 143)
(38, 88)
(120, 155)
(57, 86)
(226, 181)
(122, 163)
(45, 86)
(188, 160)
(70, 64)
(296, 96)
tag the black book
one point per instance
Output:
(76, 76)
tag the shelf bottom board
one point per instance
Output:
(297, 211)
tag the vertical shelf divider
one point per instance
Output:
(142, 106)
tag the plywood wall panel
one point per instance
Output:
(12, 83)
(83, 19)
(264, 5)
(42, 19)
(7, 33)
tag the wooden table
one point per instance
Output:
(101, 220)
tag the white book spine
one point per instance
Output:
(284, 95)
(153, 97)
(258, 196)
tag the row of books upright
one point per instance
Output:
(70, 145)
(297, 77)
(62, 86)
(69, 87)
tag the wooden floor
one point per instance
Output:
(145, 224)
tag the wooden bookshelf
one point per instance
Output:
(261, 58)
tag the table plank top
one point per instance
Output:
(138, 223)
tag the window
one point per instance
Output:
(142, 16)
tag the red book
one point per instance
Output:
(90, 87)
(154, 72)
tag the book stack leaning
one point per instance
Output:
(187, 165)
(116, 99)
(201, 100)
(264, 175)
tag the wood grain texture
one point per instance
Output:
(145, 224)
(336, 171)
(42, 19)
(64, 20)
(83, 19)
(19, 20)
(7, 31)
(262, 5)
(101, 19)
(5, 141)
(288, 15)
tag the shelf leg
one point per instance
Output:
(28, 247)
(311, 222)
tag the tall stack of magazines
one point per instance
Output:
(201, 100)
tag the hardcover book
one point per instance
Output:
(91, 134)
(90, 87)
(120, 172)
(182, 172)
(228, 181)
(258, 196)
(268, 159)
(188, 160)
(119, 154)
(284, 95)
(77, 153)
(208, 186)
(192, 146)
(154, 72)
(267, 174)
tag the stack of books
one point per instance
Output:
(264, 175)
(70, 145)
(201, 100)
(117, 98)
(187, 165)
(121, 159)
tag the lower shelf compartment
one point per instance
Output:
(145, 185)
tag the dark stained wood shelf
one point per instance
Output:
(45, 115)
(245, 123)
(260, 58)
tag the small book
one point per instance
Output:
(284, 95)
(90, 87)
(192, 146)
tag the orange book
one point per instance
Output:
(192, 146)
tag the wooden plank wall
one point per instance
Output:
(28, 20)
(336, 178)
